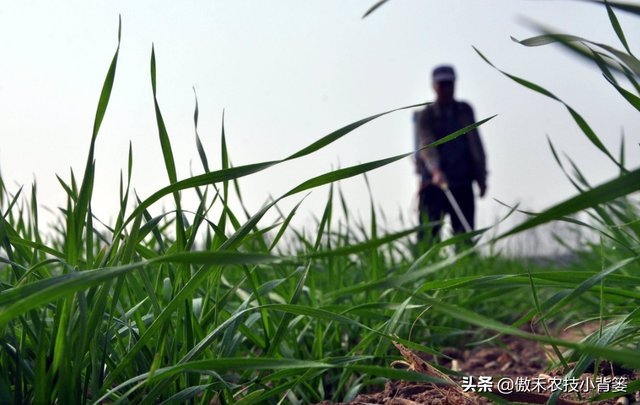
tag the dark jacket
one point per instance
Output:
(426, 132)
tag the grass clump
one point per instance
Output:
(182, 307)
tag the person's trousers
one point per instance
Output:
(434, 204)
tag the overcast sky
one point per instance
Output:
(287, 73)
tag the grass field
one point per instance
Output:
(192, 307)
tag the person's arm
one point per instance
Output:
(478, 156)
(429, 156)
(420, 167)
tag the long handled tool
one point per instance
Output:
(456, 207)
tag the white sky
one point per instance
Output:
(287, 73)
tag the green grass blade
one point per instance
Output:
(13, 201)
(346, 173)
(84, 196)
(609, 191)
(586, 129)
(630, 97)
(274, 345)
(334, 136)
(21, 299)
(285, 224)
(631, 8)
(363, 246)
(616, 27)
(167, 153)
(374, 8)
(162, 130)
(201, 152)
(186, 394)
(629, 60)
(541, 319)
(589, 284)
(250, 398)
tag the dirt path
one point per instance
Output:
(521, 361)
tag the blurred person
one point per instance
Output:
(453, 165)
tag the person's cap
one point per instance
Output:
(444, 73)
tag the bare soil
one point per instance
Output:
(515, 358)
